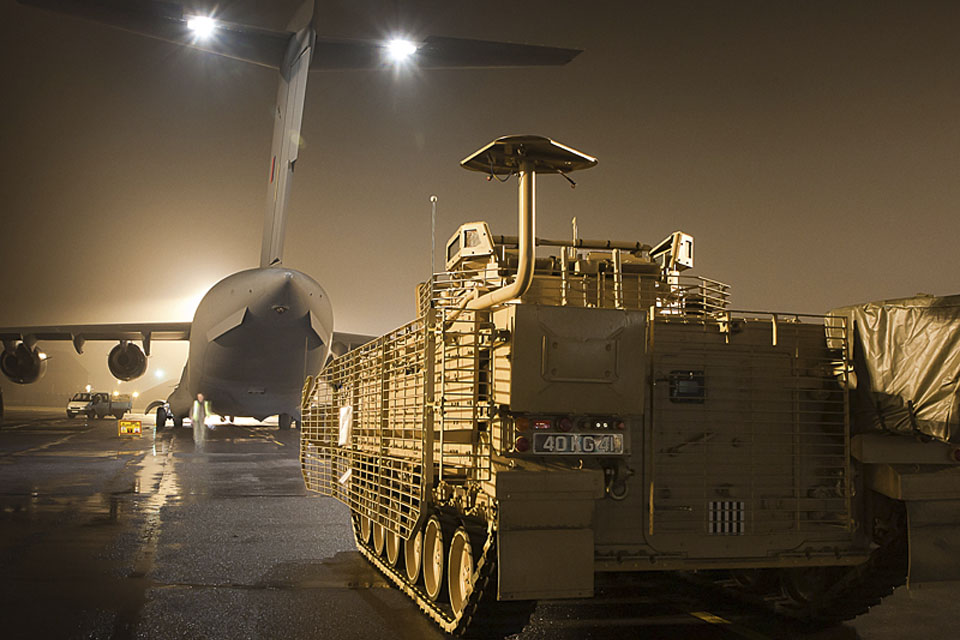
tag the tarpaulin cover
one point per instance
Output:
(906, 357)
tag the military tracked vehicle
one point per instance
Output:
(547, 419)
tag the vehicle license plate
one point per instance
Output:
(578, 443)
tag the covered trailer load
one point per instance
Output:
(907, 358)
(547, 419)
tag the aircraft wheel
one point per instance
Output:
(161, 417)
(177, 421)
(285, 420)
(460, 570)
(433, 558)
(391, 543)
(412, 554)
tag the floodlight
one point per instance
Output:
(202, 26)
(159, 373)
(399, 49)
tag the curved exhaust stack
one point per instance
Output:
(526, 156)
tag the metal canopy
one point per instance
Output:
(510, 154)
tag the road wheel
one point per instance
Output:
(363, 527)
(71, 415)
(378, 538)
(433, 558)
(391, 542)
(412, 554)
(285, 420)
(91, 415)
(161, 417)
(118, 415)
(177, 421)
(460, 570)
(805, 585)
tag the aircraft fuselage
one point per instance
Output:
(255, 336)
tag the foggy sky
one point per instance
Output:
(810, 148)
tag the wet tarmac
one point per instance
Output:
(164, 537)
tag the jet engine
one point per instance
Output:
(22, 364)
(126, 361)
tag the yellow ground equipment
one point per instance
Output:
(546, 419)
(129, 427)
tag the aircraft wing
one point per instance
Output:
(168, 21)
(80, 333)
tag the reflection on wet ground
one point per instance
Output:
(166, 536)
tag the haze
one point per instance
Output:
(810, 148)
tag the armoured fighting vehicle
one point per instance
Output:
(547, 419)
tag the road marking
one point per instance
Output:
(261, 436)
(743, 632)
(27, 452)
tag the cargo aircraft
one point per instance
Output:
(256, 333)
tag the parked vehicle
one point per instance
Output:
(98, 404)
(546, 421)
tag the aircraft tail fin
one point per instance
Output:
(288, 117)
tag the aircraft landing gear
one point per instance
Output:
(177, 421)
(161, 417)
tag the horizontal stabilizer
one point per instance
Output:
(437, 52)
(167, 21)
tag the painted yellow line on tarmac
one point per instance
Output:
(710, 618)
(259, 435)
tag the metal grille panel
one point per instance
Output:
(372, 400)
(749, 412)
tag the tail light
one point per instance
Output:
(564, 424)
(523, 424)
(522, 444)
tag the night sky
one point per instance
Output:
(812, 149)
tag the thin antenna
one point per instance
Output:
(433, 237)
(576, 237)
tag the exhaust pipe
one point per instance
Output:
(526, 156)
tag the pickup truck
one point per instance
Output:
(98, 404)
